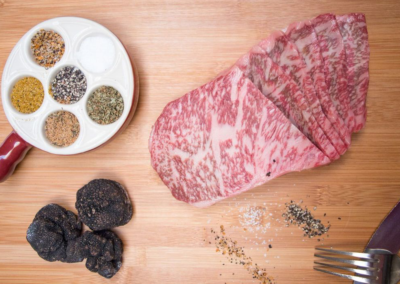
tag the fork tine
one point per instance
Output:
(351, 277)
(354, 254)
(367, 272)
(361, 263)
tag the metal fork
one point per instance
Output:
(375, 266)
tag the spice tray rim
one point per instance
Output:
(21, 64)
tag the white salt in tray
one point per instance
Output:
(120, 75)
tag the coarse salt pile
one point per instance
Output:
(252, 219)
(251, 216)
(96, 54)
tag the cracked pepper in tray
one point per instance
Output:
(68, 86)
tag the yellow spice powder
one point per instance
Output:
(27, 95)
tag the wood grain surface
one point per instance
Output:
(177, 46)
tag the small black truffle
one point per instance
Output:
(103, 251)
(51, 231)
(103, 204)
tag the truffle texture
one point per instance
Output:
(74, 251)
(103, 251)
(51, 231)
(103, 204)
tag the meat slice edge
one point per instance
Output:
(332, 49)
(225, 138)
(353, 28)
(302, 34)
(286, 95)
(284, 53)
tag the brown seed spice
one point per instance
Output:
(62, 128)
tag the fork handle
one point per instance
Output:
(387, 236)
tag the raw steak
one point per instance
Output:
(304, 37)
(225, 138)
(353, 28)
(332, 50)
(284, 53)
(286, 95)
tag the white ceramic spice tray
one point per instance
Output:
(21, 64)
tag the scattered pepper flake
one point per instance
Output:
(237, 255)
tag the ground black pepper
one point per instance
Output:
(68, 86)
(303, 218)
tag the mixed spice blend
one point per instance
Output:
(47, 47)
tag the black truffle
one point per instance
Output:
(103, 251)
(51, 231)
(103, 204)
(74, 251)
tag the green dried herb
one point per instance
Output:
(105, 105)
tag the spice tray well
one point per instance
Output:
(21, 63)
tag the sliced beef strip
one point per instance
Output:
(305, 38)
(353, 28)
(286, 95)
(225, 138)
(284, 53)
(334, 56)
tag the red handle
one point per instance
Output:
(12, 152)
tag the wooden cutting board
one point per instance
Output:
(179, 45)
